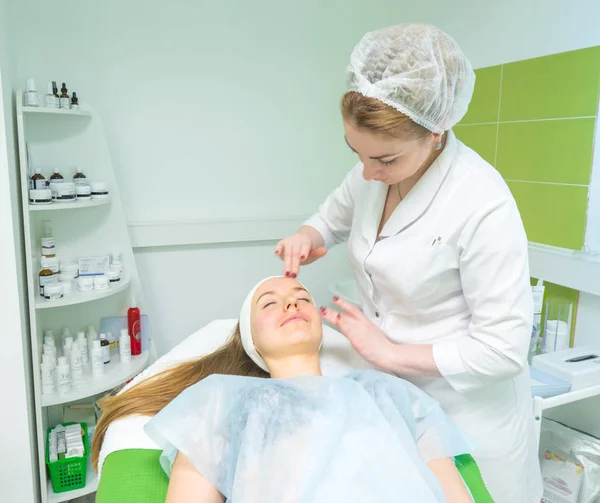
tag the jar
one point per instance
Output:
(53, 292)
(65, 192)
(85, 283)
(40, 196)
(83, 192)
(71, 268)
(100, 282)
(67, 287)
(113, 276)
(99, 190)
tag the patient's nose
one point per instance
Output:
(292, 304)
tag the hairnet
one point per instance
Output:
(417, 69)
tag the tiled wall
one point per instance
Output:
(534, 121)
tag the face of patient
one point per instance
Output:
(285, 321)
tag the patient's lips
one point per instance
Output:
(295, 317)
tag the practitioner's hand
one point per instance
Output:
(302, 248)
(368, 339)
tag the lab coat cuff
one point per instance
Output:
(317, 222)
(449, 362)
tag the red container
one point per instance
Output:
(134, 328)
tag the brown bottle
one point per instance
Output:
(56, 176)
(79, 178)
(37, 181)
(105, 345)
(46, 278)
(65, 101)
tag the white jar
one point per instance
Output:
(100, 282)
(71, 268)
(67, 287)
(113, 276)
(40, 196)
(85, 283)
(65, 192)
(53, 291)
(99, 190)
(83, 192)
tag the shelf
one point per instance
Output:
(91, 486)
(570, 397)
(69, 206)
(78, 297)
(115, 373)
(570, 268)
(55, 111)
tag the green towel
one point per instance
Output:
(135, 476)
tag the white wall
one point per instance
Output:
(18, 475)
(230, 109)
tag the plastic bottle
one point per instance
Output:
(125, 346)
(79, 178)
(105, 345)
(74, 101)
(97, 361)
(48, 243)
(76, 365)
(37, 180)
(64, 377)
(134, 328)
(83, 347)
(51, 101)
(32, 98)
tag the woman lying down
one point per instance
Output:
(229, 433)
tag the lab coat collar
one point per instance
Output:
(416, 201)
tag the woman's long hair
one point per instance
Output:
(151, 395)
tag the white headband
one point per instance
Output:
(246, 326)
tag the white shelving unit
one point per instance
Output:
(69, 206)
(80, 297)
(68, 139)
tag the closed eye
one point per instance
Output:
(268, 304)
(306, 300)
(387, 163)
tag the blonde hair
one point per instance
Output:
(150, 396)
(374, 116)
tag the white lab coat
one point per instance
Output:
(451, 270)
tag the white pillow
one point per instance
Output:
(338, 357)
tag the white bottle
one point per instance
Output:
(64, 377)
(50, 98)
(76, 366)
(67, 347)
(32, 98)
(83, 347)
(124, 346)
(97, 360)
(48, 375)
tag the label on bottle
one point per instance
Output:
(80, 180)
(32, 99)
(64, 380)
(65, 102)
(47, 280)
(48, 247)
(106, 354)
(40, 184)
(51, 101)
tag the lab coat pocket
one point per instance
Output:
(429, 273)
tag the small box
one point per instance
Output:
(93, 266)
(580, 366)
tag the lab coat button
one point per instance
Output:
(377, 314)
